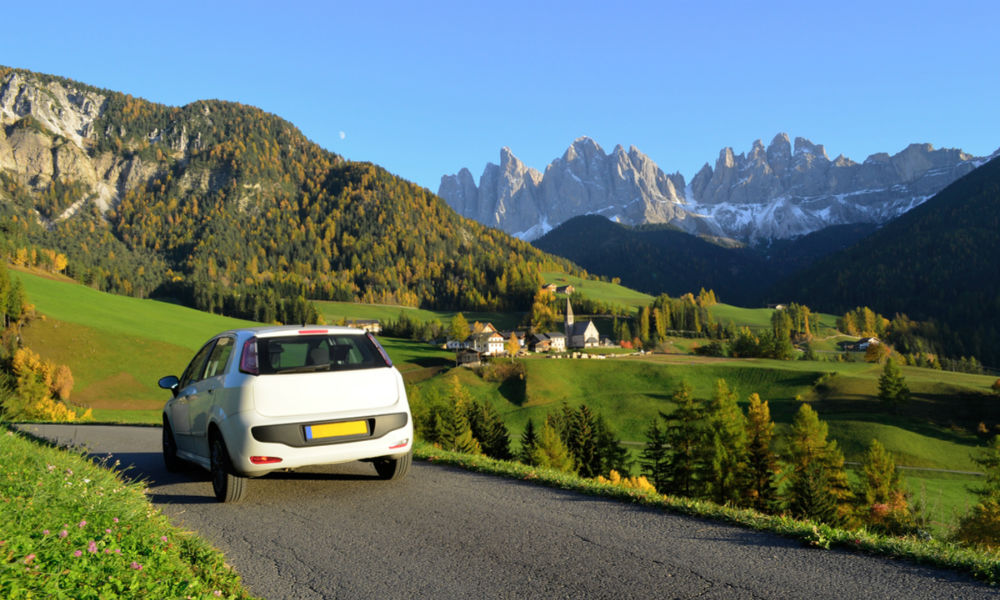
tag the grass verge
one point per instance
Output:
(980, 564)
(72, 529)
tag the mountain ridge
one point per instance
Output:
(773, 192)
(231, 209)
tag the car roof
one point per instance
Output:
(284, 330)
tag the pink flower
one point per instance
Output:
(92, 547)
(45, 532)
(29, 558)
(115, 519)
(136, 566)
(107, 531)
(78, 553)
(81, 524)
(63, 533)
(163, 538)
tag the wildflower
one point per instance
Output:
(163, 538)
(115, 519)
(29, 558)
(217, 593)
(82, 524)
(52, 467)
(45, 532)
(78, 553)
(107, 531)
(86, 480)
(136, 566)
(63, 533)
(92, 547)
(69, 471)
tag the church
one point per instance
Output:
(580, 335)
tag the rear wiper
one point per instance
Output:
(305, 369)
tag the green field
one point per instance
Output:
(334, 312)
(602, 291)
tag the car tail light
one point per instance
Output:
(381, 350)
(400, 444)
(248, 360)
(264, 460)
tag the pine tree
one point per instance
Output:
(551, 452)
(686, 434)
(725, 470)
(892, 388)
(655, 457)
(488, 428)
(818, 487)
(881, 494)
(762, 463)
(529, 440)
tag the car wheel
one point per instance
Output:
(228, 486)
(394, 468)
(170, 460)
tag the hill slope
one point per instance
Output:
(938, 261)
(658, 259)
(231, 209)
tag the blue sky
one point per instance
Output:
(426, 88)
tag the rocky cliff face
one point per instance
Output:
(623, 186)
(47, 134)
(772, 192)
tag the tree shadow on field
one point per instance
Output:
(514, 389)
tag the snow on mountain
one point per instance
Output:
(778, 191)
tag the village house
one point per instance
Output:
(488, 343)
(372, 326)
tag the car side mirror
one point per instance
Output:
(169, 383)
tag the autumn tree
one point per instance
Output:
(725, 468)
(762, 463)
(550, 451)
(817, 487)
(881, 494)
(458, 329)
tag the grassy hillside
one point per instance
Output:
(333, 312)
(602, 291)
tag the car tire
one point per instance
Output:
(394, 468)
(227, 485)
(172, 463)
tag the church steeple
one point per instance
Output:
(569, 318)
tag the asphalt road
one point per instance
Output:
(445, 533)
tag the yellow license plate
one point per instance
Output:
(328, 430)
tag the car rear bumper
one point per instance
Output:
(387, 435)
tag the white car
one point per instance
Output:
(264, 399)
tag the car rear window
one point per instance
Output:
(309, 353)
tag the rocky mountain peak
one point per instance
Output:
(781, 190)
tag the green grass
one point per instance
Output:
(122, 315)
(602, 291)
(71, 529)
(334, 312)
